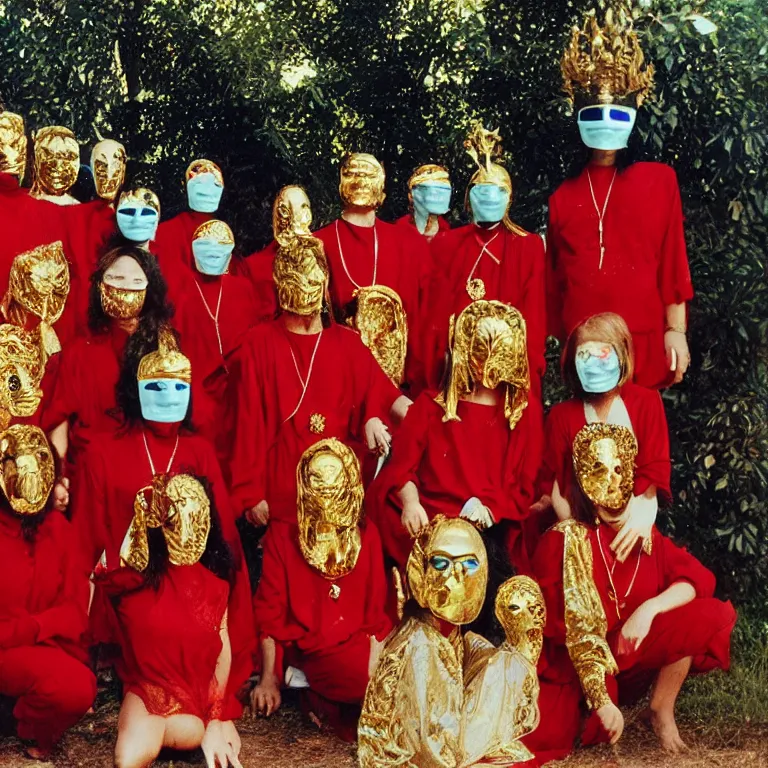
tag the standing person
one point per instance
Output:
(44, 599)
(601, 256)
(297, 379)
(429, 198)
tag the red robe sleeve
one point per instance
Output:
(376, 621)
(534, 310)
(522, 463)
(548, 572)
(89, 509)
(674, 274)
(18, 632)
(554, 287)
(678, 565)
(259, 269)
(62, 402)
(558, 450)
(653, 465)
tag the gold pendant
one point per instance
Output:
(317, 423)
(334, 592)
(476, 289)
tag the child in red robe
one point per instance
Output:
(44, 600)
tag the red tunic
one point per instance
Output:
(112, 471)
(293, 606)
(173, 247)
(512, 269)
(450, 462)
(645, 265)
(407, 221)
(403, 264)
(346, 387)
(259, 269)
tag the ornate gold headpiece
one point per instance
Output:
(605, 65)
(57, 161)
(196, 167)
(22, 365)
(39, 281)
(300, 272)
(27, 470)
(215, 229)
(139, 196)
(167, 362)
(287, 221)
(428, 172)
(13, 144)
(522, 612)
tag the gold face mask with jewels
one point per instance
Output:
(108, 160)
(447, 570)
(28, 470)
(383, 328)
(57, 161)
(22, 366)
(39, 281)
(604, 464)
(13, 145)
(300, 272)
(329, 505)
(291, 215)
(121, 303)
(522, 612)
(362, 181)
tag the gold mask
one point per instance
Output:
(362, 181)
(13, 145)
(181, 507)
(28, 471)
(383, 328)
(22, 366)
(39, 281)
(428, 172)
(139, 196)
(196, 167)
(300, 272)
(108, 160)
(604, 464)
(167, 362)
(57, 161)
(215, 229)
(522, 612)
(329, 505)
(447, 570)
(488, 346)
(291, 214)
(121, 303)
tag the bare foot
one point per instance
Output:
(36, 753)
(665, 728)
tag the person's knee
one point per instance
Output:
(77, 696)
(133, 753)
(183, 732)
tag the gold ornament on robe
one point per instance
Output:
(22, 366)
(488, 346)
(57, 163)
(362, 181)
(13, 145)
(329, 505)
(501, 684)
(198, 167)
(383, 326)
(108, 159)
(604, 462)
(291, 214)
(181, 507)
(27, 471)
(605, 64)
(484, 147)
(300, 271)
(167, 362)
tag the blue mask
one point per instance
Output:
(489, 203)
(204, 193)
(598, 374)
(606, 126)
(138, 223)
(165, 401)
(430, 198)
(211, 257)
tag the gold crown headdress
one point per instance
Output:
(428, 172)
(196, 167)
(605, 65)
(215, 229)
(139, 196)
(167, 362)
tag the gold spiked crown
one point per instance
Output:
(167, 362)
(139, 196)
(215, 229)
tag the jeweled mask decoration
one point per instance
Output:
(22, 366)
(447, 570)
(212, 246)
(205, 186)
(291, 214)
(329, 505)
(362, 181)
(488, 346)
(138, 214)
(522, 613)
(383, 328)
(57, 161)
(181, 507)
(604, 464)
(300, 272)
(13, 145)
(28, 470)
(108, 161)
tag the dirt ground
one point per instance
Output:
(286, 741)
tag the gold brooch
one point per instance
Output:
(476, 289)
(334, 592)
(317, 423)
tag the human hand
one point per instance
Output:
(216, 749)
(560, 503)
(258, 515)
(543, 504)
(231, 736)
(265, 697)
(612, 720)
(61, 494)
(636, 628)
(414, 518)
(678, 355)
(476, 512)
(639, 523)
(377, 436)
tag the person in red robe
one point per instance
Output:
(319, 606)
(492, 258)
(44, 600)
(296, 379)
(429, 197)
(600, 256)
(597, 364)
(654, 616)
(364, 251)
(474, 449)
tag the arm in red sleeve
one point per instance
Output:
(534, 309)
(374, 392)
(89, 509)
(376, 621)
(548, 572)
(653, 464)
(557, 451)
(18, 632)
(681, 565)
(674, 273)
(62, 402)
(555, 290)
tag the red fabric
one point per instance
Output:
(517, 280)
(407, 221)
(259, 269)
(645, 267)
(347, 387)
(404, 264)
(450, 462)
(112, 471)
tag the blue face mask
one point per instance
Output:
(204, 193)
(606, 126)
(430, 198)
(212, 257)
(598, 374)
(489, 203)
(165, 401)
(137, 223)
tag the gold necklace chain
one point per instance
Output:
(614, 594)
(375, 255)
(149, 455)
(304, 384)
(213, 317)
(601, 214)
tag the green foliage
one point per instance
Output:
(277, 91)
